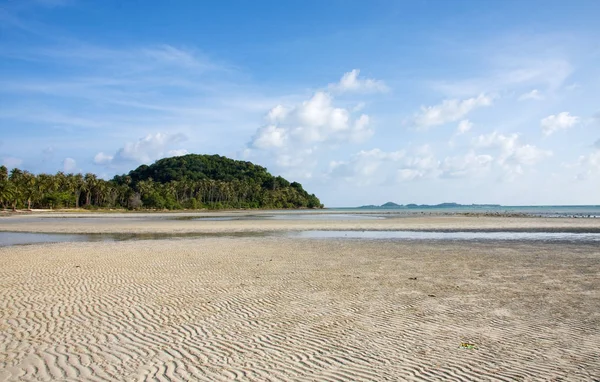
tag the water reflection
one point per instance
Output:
(22, 238)
(287, 216)
(449, 235)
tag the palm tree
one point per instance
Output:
(89, 184)
(16, 194)
(4, 187)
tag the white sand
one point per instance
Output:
(163, 223)
(261, 309)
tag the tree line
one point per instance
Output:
(178, 187)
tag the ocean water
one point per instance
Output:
(591, 211)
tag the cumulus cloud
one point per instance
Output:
(292, 135)
(421, 164)
(587, 166)
(314, 121)
(11, 162)
(69, 165)
(145, 150)
(365, 165)
(561, 121)
(512, 154)
(270, 136)
(177, 153)
(449, 110)
(467, 165)
(351, 83)
(511, 149)
(503, 154)
(535, 95)
(375, 165)
(102, 158)
(496, 140)
(464, 126)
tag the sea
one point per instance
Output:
(584, 211)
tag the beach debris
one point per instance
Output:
(468, 345)
(412, 278)
(431, 295)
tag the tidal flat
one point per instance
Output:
(287, 308)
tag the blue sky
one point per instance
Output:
(362, 102)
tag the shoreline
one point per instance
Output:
(168, 223)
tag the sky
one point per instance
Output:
(363, 102)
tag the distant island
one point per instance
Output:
(184, 182)
(392, 205)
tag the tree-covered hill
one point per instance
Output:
(198, 167)
(191, 182)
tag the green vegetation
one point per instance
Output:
(185, 182)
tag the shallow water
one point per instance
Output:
(290, 216)
(23, 238)
(19, 238)
(450, 235)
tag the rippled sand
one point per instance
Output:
(299, 310)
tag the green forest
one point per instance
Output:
(185, 182)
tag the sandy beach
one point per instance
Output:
(284, 309)
(186, 223)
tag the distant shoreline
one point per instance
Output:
(267, 221)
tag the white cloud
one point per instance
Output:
(377, 166)
(11, 162)
(467, 165)
(351, 83)
(587, 166)
(512, 154)
(464, 126)
(102, 158)
(408, 174)
(527, 155)
(421, 164)
(496, 140)
(269, 136)
(177, 153)
(449, 111)
(292, 135)
(314, 121)
(561, 121)
(495, 153)
(364, 166)
(535, 95)
(145, 150)
(69, 165)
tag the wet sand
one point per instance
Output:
(287, 309)
(183, 223)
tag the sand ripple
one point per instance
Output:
(288, 309)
